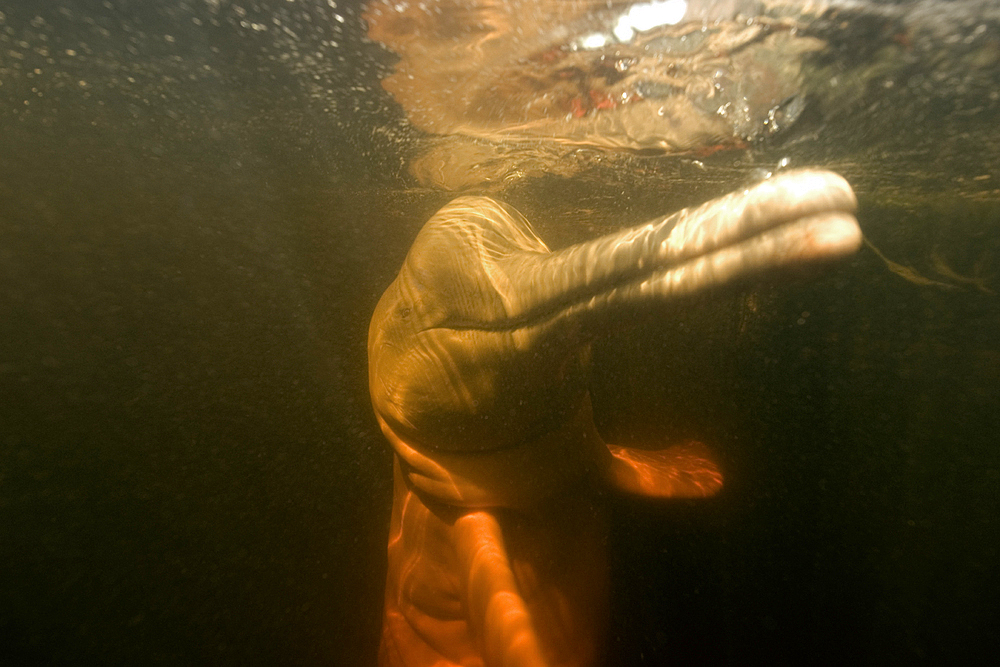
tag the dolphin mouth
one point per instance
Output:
(820, 238)
(817, 238)
(791, 220)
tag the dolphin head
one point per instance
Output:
(482, 341)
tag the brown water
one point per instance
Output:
(195, 230)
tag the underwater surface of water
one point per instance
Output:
(201, 201)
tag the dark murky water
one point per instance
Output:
(200, 204)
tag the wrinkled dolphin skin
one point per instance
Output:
(478, 364)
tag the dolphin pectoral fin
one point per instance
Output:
(498, 615)
(686, 470)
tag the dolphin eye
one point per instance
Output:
(404, 312)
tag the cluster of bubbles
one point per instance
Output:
(193, 69)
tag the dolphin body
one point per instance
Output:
(478, 364)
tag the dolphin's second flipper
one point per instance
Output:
(498, 615)
(682, 471)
